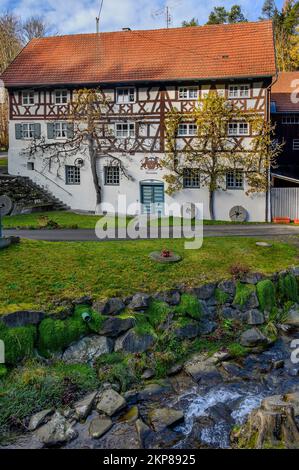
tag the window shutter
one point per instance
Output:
(18, 131)
(70, 130)
(50, 130)
(37, 131)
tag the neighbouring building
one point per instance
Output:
(143, 74)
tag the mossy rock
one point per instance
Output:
(189, 305)
(266, 295)
(157, 312)
(243, 295)
(221, 296)
(288, 288)
(18, 342)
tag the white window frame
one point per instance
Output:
(192, 180)
(60, 130)
(112, 175)
(236, 179)
(72, 179)
(295, 144)
(124, 130)
(239, 91)
(61, 97)
(290, 119)
(28, 131)
(28, 98)
(120, 96)
(237, 129)
(188, 93)
(190, 128)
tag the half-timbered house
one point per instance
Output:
(143, 74)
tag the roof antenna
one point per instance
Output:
(98, 17)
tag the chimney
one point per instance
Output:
(126, 29)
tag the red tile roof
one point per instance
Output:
(282, 90)
(200, 52)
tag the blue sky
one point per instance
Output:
(78, 16)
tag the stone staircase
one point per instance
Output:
(27, 195)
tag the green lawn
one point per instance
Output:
(3, 161)
(36, 273)
(68, 220)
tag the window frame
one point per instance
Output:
(61, 92)
(30, 130)
(28, 93)
(191, 178)
(119, 89)
(58, 134)
(188, 89)
(238, 125)
(239, 91)
(295, 145)
(235, 185)
(290, 120)
(188, 126)
(74, 180)
(129, 125)
(115, 178)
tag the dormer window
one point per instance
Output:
(125, 95)
(60, 96)
(27, 98)
(188, 93)
(238, 91)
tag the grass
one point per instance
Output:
(35, 273)
(67, 220)
(3, 162)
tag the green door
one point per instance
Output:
(152, 198)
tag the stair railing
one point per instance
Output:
(54, 182)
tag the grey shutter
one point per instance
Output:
(37, 131)
(70, 130)
(50, 130)
(19, 131)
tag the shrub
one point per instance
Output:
(189, 305)
(142, 325)
(237, 350)
(221, 296)
(243, 293)
(18, 342)
(288, 288)
(117, 368)
(157, 312)
(266, 295)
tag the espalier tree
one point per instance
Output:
(213, 153)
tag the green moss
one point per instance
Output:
(243, 293)
(157, 312)
(221, 296)
(18, 342)
(117, 368)
(189, 305)
(288, 288)
(266, 295)
(3, 371)
(237, 350)
(143, 326)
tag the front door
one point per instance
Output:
(152, 198)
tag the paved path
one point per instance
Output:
(258, 230)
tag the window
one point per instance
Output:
(290, 119)
(187, 129)
(30, 166)
(28, 131)
(124, 130)
(188, 93)
(60, 130)
(295, 144)
(28, 98)
(235, 180)
(238, 91)
(61, 97)
(191, 178)
(111, 175)
(72, 174)
(238, 128)
(125, 95)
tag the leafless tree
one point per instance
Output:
(35, 27)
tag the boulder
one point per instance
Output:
(110, 402)
(134, 342)
(161, 418)
(203, 368)
(189, 331)
(84, 300)
(142, 431)
(255, 317)
(38, 419)
(205, 292)
(115, 326)
(112, 306)
(252, 278)
(87, 349)
(148, 374)
(220, 412)
(253, 337)
(121, 436)
(56, 432)
(206, 327)
(171, 297)
(99, 426)
(84, 406)
(22, 318)
(231, 313)
(139, 301)
(228, 286)
(295, 271)
(151, 391)
(293, 317)
(130, 416)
